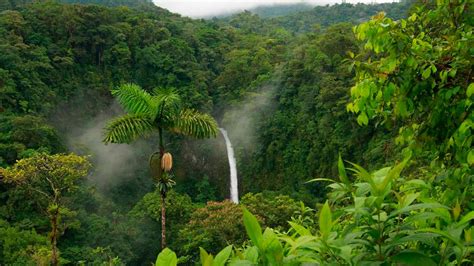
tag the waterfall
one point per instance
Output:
(234, 191)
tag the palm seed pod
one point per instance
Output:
(166, 162)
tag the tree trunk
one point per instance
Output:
(163, 220)
(163, 196)
(54, 237)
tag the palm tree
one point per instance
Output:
(160, 111)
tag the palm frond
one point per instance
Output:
(135, 100)
(167, 99)
(127, 128)
(195, 124)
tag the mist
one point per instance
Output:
(113, 162)
(241, 121)
(209, 8)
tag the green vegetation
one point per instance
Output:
(160, 111)
(352, 131)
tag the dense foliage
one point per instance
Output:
(296, 92)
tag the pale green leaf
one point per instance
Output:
(325, 220)
(342, 171)
(470, 90)
(300, 229)
(166, 258)
(254, 231)
(222, 257)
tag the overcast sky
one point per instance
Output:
(204, 8)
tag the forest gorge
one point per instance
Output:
(352, 127)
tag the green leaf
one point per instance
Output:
(127, 128)
(254, 231)
(242, 263)
(167, 100)
(470, 157)
(342, 171)
(321, 179)
(414, 258)
(251, 254)
(203, 255)
(470, 90)
(325, 220)
(466, 218)
(363, 174)
(420, 237)
(300, 229)
(135, 100)
(443, 234)
(195, 124)
(222, 257)
(166, 258)
(426, 73)
(363, 119)
(418, 207)
(272, 247)
(393, 174)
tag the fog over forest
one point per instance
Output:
(207, 8)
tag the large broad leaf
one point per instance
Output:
(272, 247)
(342, 171)
(254, 231)
(300, 229)
(206, 259)
(166, 258)
(251, 254)
(325, 220)
(414, 258)
(203, 255)
(222, 257)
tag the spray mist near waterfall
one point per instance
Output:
(241, 123)
(234, 183)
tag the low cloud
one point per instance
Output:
(207, 8)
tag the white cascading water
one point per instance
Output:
(234, 190)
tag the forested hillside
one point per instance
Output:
(12, 4)
(278, 10)
(351, 125)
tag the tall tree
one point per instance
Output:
(160, 111)
(49, 178)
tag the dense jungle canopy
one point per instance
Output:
(351, 123)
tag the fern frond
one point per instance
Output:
(195, 124)
(127, 128)
(135, 100)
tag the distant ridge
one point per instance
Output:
(277, 10)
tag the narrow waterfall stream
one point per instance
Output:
(234, 190)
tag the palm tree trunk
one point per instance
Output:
(163, 197)
(162, 146)
(163, 220)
